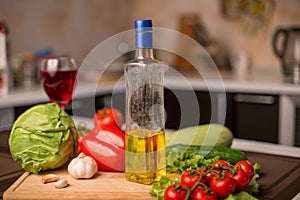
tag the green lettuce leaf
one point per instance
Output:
(186, 160)
(253, 187)
(158, 188)
(241, 196)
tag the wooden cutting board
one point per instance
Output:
(104, 185)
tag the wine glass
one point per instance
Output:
(58, 77)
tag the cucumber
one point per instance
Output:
(208, 152)
(202, 135)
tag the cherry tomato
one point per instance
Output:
(241, 179)
(175, 192)
(203, 194)
(203, 174)
(108, 117)
(190, 178)
(223, 186)
(107, 147)
(209, 173)
(246, 166)
(221, 164)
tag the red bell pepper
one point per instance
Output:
(106, 146)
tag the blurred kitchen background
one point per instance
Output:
(75, 27)
(237, 34)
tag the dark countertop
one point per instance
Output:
(280, 175)
(9, 170)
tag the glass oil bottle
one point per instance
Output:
(145, 160)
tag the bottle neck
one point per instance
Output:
(142, 53)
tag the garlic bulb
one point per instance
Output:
(82, 166)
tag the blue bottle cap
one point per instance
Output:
(139, 24)
(143, 33)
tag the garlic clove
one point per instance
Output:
(61, 183)
(50, 178)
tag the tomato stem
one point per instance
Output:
(104, 112)
(189, 193)
(198, 182)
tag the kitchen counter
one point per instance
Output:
(280, 175)
(260, 81)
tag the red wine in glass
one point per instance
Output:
(58, 77)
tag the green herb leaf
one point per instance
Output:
(241, 196)
(253, 187)
(158, 188)
(186, 160)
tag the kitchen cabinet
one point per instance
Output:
(254, 116)
(297, 128)
(186, 108)
(249, 116)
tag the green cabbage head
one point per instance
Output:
(43, 137)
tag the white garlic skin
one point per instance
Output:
(62, 183)
(82, 167)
